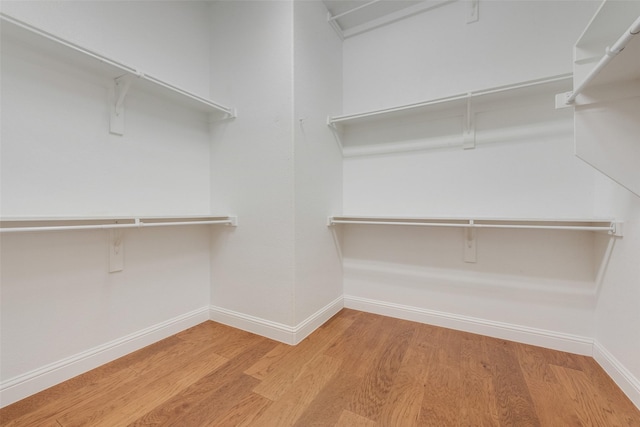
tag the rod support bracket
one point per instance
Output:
(117, 96)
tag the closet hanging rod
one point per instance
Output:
(472, 224)
(610, 53)
(138, 223)
(469, 95)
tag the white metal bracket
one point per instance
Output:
(116, 250)
(469, 132)
(470, 244)
(117, 95)
(561, 100)
(616, 229)
(473, 11)
(337, 134)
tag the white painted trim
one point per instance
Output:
(508, 331)
(629, 384)
(291, 335)
(24, 385)
(313, 322)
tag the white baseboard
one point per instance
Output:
(24, 385)
(523, 334)
(291, 335)
(629, 384)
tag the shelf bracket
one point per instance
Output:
(116, 250)
(336, 133)
(470, 244)
(117, 96)
(469, 132)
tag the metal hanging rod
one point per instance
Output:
(612, 227)
(610, 53)
(67, 224)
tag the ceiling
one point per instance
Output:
(351, 17)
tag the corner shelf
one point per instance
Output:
(37, 224)
(464, 105)
(606, 93)
(30, 37)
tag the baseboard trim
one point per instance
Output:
(627, 382)
(32, 382)
(527, 335)
(291, 335)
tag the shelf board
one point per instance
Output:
(584, 224)
(41, 223)
(68, 52)
(552, 84)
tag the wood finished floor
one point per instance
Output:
(359, 369)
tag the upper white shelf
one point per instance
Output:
(608, 50)
(31, 224)
(588, 224)
(53, 46)
(459, 101)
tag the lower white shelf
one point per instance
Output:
(33, 224)
(589, 224)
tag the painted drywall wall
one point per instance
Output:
(169, 45)
(522, 166)
(437, 54)
(276, 166)
(617, 314)
(62, 312)
(252, 169)
(317, 157)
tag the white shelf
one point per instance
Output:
(459, 101)
(32, 38)
(586, 224)
(36, 224)
(606, 93)
(449, 121)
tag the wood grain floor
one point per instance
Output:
(359, 369)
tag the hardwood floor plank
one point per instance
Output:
(244, 412)
(207, 386)
(290, 405)
(372, 392)
(515, 406)
(479, 405)
(281, 372)
(123, 404)
(588, 407)
(349, 419)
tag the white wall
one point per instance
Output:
(617, 314)
(62, 312)
(276, 166)
(436, 54)
(252, 159)
(531, 286)
(318, 161)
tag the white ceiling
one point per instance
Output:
(351, 17)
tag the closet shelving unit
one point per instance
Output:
(464, 105)
(605, 225)
(606, 94)
(122, 76)
(33, 224)
(470, 225)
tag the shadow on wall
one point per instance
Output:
(553, 268)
